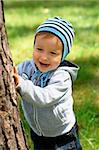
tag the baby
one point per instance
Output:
(45, 85)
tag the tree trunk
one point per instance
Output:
(11, 132)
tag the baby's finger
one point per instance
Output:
(15, 69)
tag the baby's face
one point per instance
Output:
(47, 52)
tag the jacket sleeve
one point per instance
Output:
(25, 69)
(20, 68)
(58, 87)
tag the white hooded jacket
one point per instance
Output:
(48, 110)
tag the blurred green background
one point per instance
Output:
(22, 17)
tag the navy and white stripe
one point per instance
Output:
(62, 29)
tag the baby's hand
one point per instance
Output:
(15, 75)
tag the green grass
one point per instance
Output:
(23, 17)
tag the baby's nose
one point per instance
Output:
(44, 56)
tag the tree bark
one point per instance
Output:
(11, 132)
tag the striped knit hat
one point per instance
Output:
(62, 29)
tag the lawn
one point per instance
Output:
(23, 17)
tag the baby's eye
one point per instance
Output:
(39, 49)
(53, 53)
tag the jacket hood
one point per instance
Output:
(71, 68)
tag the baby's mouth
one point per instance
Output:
(43, 64)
